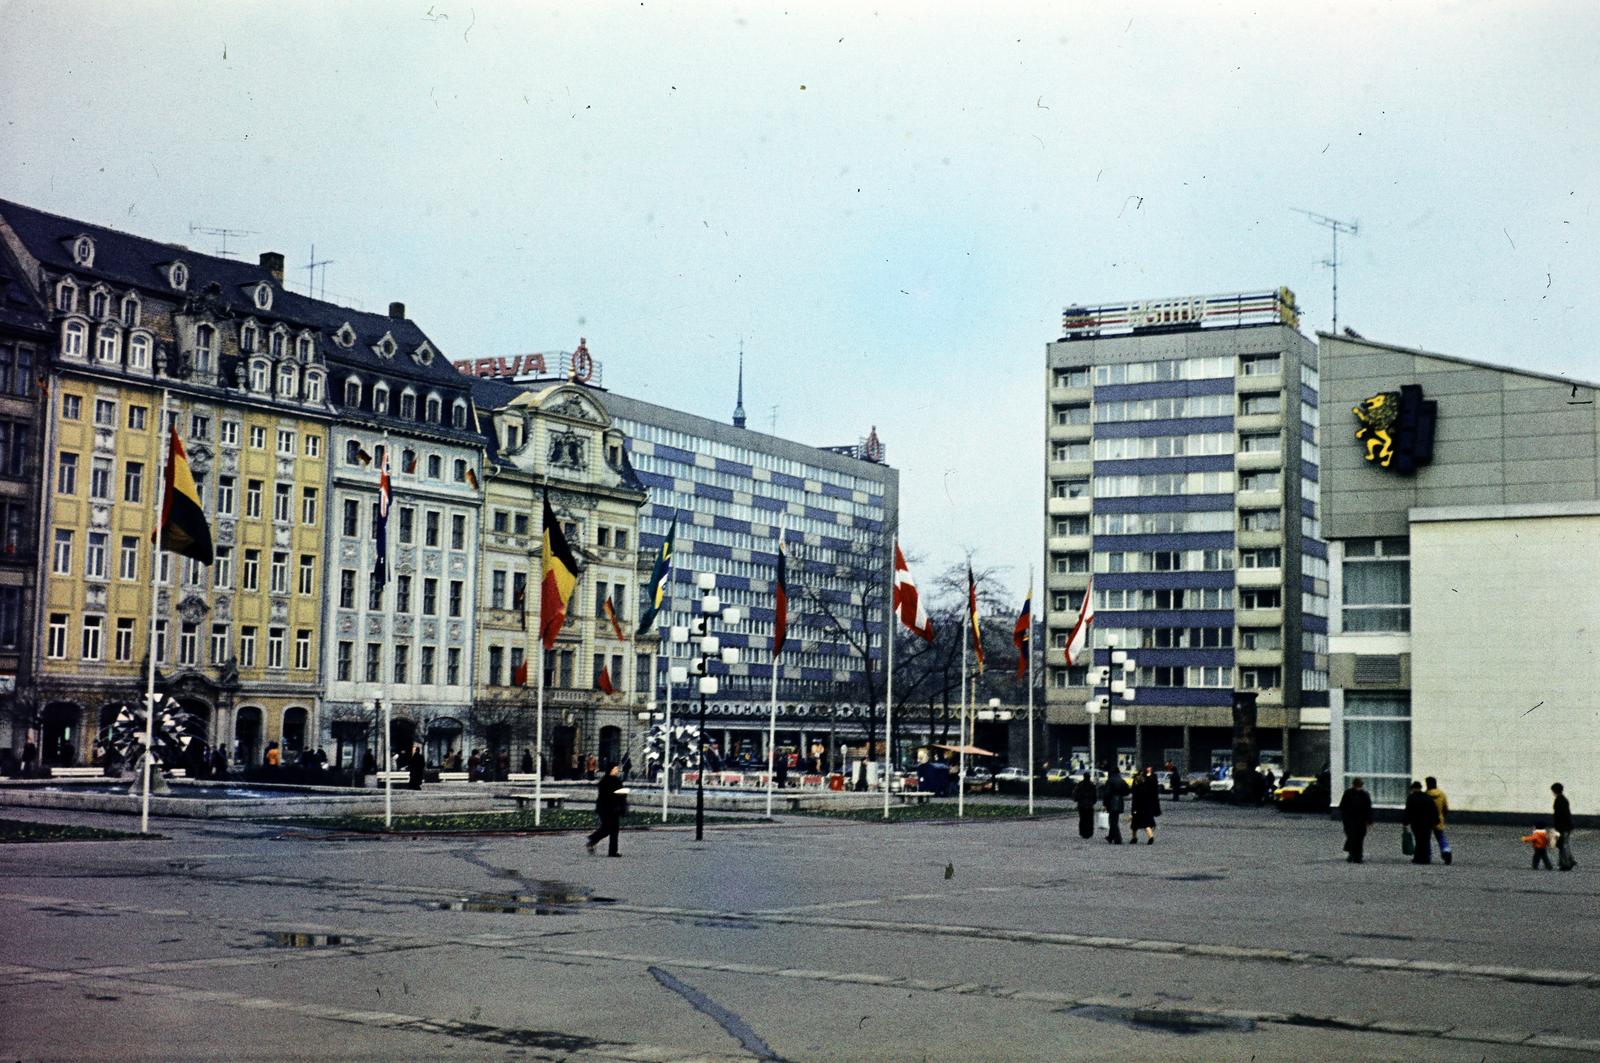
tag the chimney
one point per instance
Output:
(397, 311)
(272, 262)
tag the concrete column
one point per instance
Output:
(1138, 745)
(1188, 752)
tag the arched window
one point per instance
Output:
(458, 414)
(313, 387)
(98, 302)
(73, 335)
(107, 345)
(380, 398)
(277, 343)
(130, 310)
(248, 338)
(408, 404)
(434, 406)
(460, 471)
(408, 460)
(178, 276)
(302, 348)
(139, 352)
(204, 337)
(66, 296)
(352, 452)
(260, 375)
(352, 393)
(287, 380)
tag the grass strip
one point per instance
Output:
(553, 820)
(20, 830)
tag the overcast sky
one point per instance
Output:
(888, 206)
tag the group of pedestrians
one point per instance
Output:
(1423, 825)
(1141, 799)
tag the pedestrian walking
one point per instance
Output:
(1561, 820)
(415, 767)
(1443, 805)
(609, 805)
(1421, 817)
(1539, 838)
(1145, 806)
(1116, 793)
(1084, 794)
(1355, 810)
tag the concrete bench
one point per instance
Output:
(76, 773)
(525, 798)
(452, 776)
(177, 773)
(522, 777)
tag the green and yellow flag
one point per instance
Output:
(657, 591)
(183, 529)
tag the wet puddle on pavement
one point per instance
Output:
(295, 939)
(547, 898)
(1175, 1021)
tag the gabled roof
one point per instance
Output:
(20, 307)
(139, 262)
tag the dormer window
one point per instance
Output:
(386, 346)
(346, 336)
(458, 414)
(249, 336)
(66, 296)
(178, 276)
(302, 347)
(352, 393)
(263, 296)
(423, 355)
(287, 380)
(83, 252)
(204, 338)
(73, 335)
(314, 387)
(408, 404)
(513, 436)
(130, 310)
(260, 375)
(380, 398)
(277, 343)
(107, 345)
(99, 300)
(139, 352)
(434, 407)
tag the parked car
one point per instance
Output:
(1223, 784)
(1060, 775)
(1293, 789)
(1011, 775)
(979, 780)
(1197, 783)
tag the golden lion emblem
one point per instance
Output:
(1377, 415)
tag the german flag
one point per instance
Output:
(1022, 635)
(972, 616)
(183, 527)
(560, 576)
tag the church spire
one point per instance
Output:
(738, 406)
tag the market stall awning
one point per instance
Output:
(971, 751)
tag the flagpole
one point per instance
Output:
(387, 665)
(772, 719)
(888, 691)
(666, 729)
(1031, 761)
(961, 780)
(155, 599)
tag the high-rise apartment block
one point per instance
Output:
(1182, 472)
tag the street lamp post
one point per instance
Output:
(710, 648)
(1117, 677)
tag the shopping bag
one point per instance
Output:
(1102, 820)
(1408, 844)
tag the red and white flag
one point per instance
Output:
(1080, 631)
(907, 602)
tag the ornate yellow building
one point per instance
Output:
(236, 642)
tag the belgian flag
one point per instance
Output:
(183, 527)
(560, 576)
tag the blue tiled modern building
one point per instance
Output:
(729, 488)
(1182, 472)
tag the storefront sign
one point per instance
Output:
(1396, 430)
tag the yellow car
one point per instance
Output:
(1293, 788)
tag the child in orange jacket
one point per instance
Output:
(1541, 841)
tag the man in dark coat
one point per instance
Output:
(1422, 816)
(1355, 809)
(1561, 821)
(1145, 806)
(1115, 793)
(608, 805)
(1084, 794)
(415, 767)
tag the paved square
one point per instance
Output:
(1241, 934)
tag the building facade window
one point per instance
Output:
(1377, 585)
(93, 633)
(1377, 742)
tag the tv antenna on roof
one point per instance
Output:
(311, 267)
(1332, 262)
(222, 235)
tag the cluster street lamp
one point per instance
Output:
(711, 648)
(1118, 679)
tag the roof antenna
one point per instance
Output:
(222, 235)
(738, 406)
(311, 267)
(1332, 262)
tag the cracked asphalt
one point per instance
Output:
(1241, 934)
